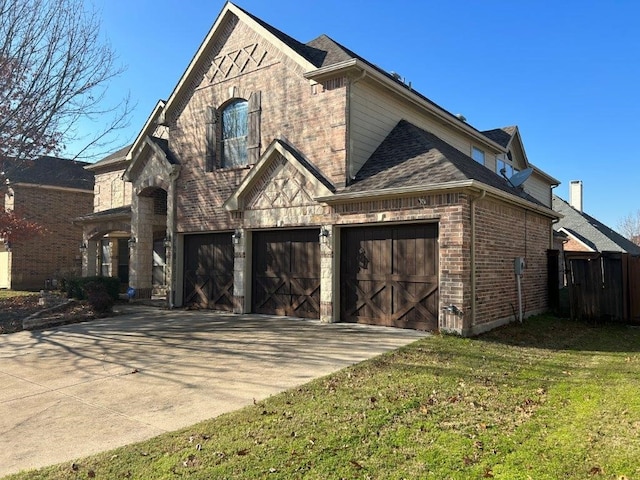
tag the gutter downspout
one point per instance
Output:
(473, 255)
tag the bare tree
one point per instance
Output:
(55, 68)
(629, 227)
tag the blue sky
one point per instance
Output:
(565, 72)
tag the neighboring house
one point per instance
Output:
(299, 179)
(585, 233)
(52, 192)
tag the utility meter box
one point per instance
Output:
(518, 265)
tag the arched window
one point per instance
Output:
(234, 130)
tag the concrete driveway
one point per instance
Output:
(80, 389)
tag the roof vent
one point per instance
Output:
(461, 117)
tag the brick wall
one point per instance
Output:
(311, 118)
(451, 211)
(572, 245)
(503, 233)
(56, 252)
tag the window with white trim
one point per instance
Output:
(477, 155)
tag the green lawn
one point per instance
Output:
(551, 399)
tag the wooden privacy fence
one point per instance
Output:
(604, 285)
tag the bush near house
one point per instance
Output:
(81, 287)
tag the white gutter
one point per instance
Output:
(347, 197)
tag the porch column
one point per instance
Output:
(90, 259)
(239, 271)
(327, 273)
(141, 246)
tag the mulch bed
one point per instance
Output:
(14, 309)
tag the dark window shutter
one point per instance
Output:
(211, 134)
(253, 140)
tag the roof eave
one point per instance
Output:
(437, 188)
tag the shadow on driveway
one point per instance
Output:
(84, 388)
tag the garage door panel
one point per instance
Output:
(392, 279)
(208, 275)
(286, 273)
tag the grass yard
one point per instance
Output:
(551, 399)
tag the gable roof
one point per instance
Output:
(290, 47)
(411, 156)
(320, 57)
(116, 157)
(318, 183)
(49, 171)
(590, 231)
(502, 136)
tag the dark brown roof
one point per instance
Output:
(502, 136)
(115, 157)
(51, 171)
(411, 156)
(164, 146)
(106, 214)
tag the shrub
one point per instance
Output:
(76, 287)
(98, 297)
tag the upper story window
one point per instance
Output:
(234, 129)
(233, 133)
(477, 155)
(504, 167)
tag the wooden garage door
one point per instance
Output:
(208, 275)
(389, 276)
(286, 273)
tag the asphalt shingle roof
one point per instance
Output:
(115, 157)
(51, 171)
(411, 156)
(590, 230)
(502, 136)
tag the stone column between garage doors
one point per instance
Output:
(328, 244)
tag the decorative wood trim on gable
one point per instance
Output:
(211, 46)
(304, 184)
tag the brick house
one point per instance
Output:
(52, 192)
(300, 179)
(107, 228)
(584, 233)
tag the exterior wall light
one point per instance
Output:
(132, 242)
(83, 246)
(237, 236)
(166, 242)
(324, 234)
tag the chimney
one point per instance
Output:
(575, 194)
